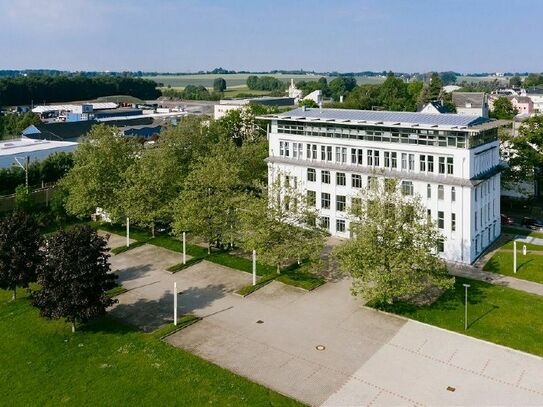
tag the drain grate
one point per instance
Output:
(450, 388)
(320, 347)
(259, 321)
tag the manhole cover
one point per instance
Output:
(259, 321)
(449, 388)
(320, 347)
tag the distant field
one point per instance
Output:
(237, 80)
(475, 79)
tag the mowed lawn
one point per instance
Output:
(108, 363)
(529, 266)
(497, 314)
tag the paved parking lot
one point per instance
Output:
(369, 358)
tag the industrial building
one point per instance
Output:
(35, 150)
(226, 105)
(451, 161)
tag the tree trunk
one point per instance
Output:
(153, 230)
(14, 297)
(209, 247)
(73, 327)
(278, 268)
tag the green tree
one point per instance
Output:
(341, 86)
(533, 79)
(308, 103)
(280, 224)
(98, 174)
(23, 199)
(394, 95)
(75, 277)
(433, 91)
(219, 85)
(391, 256)
(515, 81)
(503, 109)
(20, 254)
(207, 204)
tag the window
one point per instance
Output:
(340, 178)
(441, 165)
(453, 194)
(411, 162)
(281, 148)
(325, 200)
(407, 188)
(453, 221)
(440, 219)
(440, 246)
(343, 154)
(440, 192)
(311, 198)
(370, 158)
(311, 174)
(476, 195)
(428, 191)
(356, 181)
(295, 182)
(340, 225)
(423, 163)
(372, 182)
(404, 161)
(338, 154)
(294, 150)
(376, 158)
(323, 153)
(430, 163)
(340, 203)
(387, 159)
(450, 165)
(429, 214)
(308, 151)
(287, 181)
(390, 185)
(353, 155)
(356, 204)
(313, 152)
(287, 149)
(328, 153)
(475, 220)
(359, 156)
(394, 160)
(325, 222)
(325, 177)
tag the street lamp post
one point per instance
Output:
(254, 267)
(175, 303)
(184, 247)
(466, 286)
(514, 256)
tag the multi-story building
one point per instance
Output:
(450, 160)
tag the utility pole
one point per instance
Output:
(466, 286)
(254, 267)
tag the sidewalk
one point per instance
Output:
(494, 278)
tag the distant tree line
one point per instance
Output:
(191, 92)
(268, 83)
(11, 125)
(24, 90)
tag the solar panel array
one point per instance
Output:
(372, 116)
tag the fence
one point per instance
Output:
(40, 197)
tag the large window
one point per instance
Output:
(450, 165)
(453, 194)
(340, 178)
(404, 161)
(325, 222)
(311, 174)
(411, 162)
(453, 221)
(287, 149)
(356, 156)
(325, 200)
(328, 153)
(430, 163)
(340, 225)
(441, 166)
(407, 188)
(376, 158)
(311, 198)
(356, 181)
(325, 177)
(440, 219)
(440, 246)
(428, 191)
(440, 192)
(340, 203)
(370, 158)
(423, 163)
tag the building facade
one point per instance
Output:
(450, 161)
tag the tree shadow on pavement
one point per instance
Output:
(132, 273)
(149, 315)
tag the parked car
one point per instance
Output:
(506, 220)
(532, 223)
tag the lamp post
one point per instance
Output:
(127, 232)
(254, 267)
(466, 286)
(175, 303)
(184, 247)
(514, 256)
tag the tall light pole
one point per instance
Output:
(24, 166)
(184, 247)
(466, 286)
(254, 267)
(515, 256)
(175, 303)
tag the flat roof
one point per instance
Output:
(54, 108)
(26, 145)
(385, 118)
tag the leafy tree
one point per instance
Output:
(394, 95)
(362, 97)
(341, 86)
(12, 125)
(57, 204)
(515, 81)
(56, 166)
(268, 83)
(280, 225)
(433, 91)
(308, 103)
(20, 254)
(207, 204)
(100, 164)
(75, 277)
(23, 199)
(219, 85)
(503, 109)
(448, 78)
(392, 254)
(533, 79)
(151, 185)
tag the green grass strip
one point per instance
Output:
(124, 248)
(248, 289)
(116, 291)
(180, 266)
(182, 322)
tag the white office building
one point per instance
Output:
(450, 160)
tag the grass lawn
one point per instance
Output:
(108, 363)
(495, 313)
(529, 267)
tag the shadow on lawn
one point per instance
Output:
(149, 315)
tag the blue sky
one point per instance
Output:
(169, 35)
